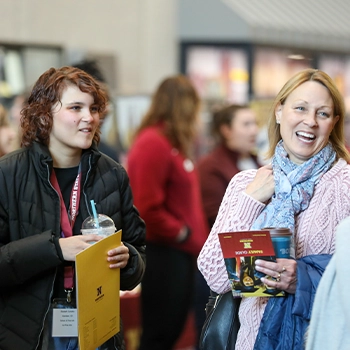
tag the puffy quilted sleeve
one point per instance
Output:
(134, 232)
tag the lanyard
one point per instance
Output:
(67, 223)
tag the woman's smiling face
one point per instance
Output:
(306, 120)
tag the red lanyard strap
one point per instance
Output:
(67, 220)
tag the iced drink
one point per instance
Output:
(103, 225)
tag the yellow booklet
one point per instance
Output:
(98, 289)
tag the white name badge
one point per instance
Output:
(64, 323)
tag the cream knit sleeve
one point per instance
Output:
(237, 212)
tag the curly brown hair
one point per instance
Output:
(37, 119)
(176, 104)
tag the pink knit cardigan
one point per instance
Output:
(314, 234)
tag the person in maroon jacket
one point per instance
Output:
(235, 130)
(166, 192)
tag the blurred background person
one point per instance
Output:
(18, 103)
(347, 122)
(91, 67)
(234, 130)
(166, 191)
(7, 133)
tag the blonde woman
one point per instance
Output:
(306, 188)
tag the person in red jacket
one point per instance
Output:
(166, 192)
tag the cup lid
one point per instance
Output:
(278, 231)
(104, 221)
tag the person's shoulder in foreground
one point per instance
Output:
(331, 311)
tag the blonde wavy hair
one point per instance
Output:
(336, 137)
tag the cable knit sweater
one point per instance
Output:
(314, 234)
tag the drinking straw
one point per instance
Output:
(94, 212)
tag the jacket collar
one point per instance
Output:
(44, 161)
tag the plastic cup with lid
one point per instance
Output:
(101, 225)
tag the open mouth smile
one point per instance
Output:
(306, 137)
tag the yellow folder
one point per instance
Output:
(98, 289)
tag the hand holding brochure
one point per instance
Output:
(240, 250)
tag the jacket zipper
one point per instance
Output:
(52, 286)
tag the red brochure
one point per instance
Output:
(240, 250)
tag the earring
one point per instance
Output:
(277, 122)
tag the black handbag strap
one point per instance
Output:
(212, 301)
(222, 324)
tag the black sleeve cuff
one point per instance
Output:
(58, 248)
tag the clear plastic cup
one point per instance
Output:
(104, 226)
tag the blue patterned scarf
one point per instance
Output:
(294, 187)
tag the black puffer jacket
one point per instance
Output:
(30, 223)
